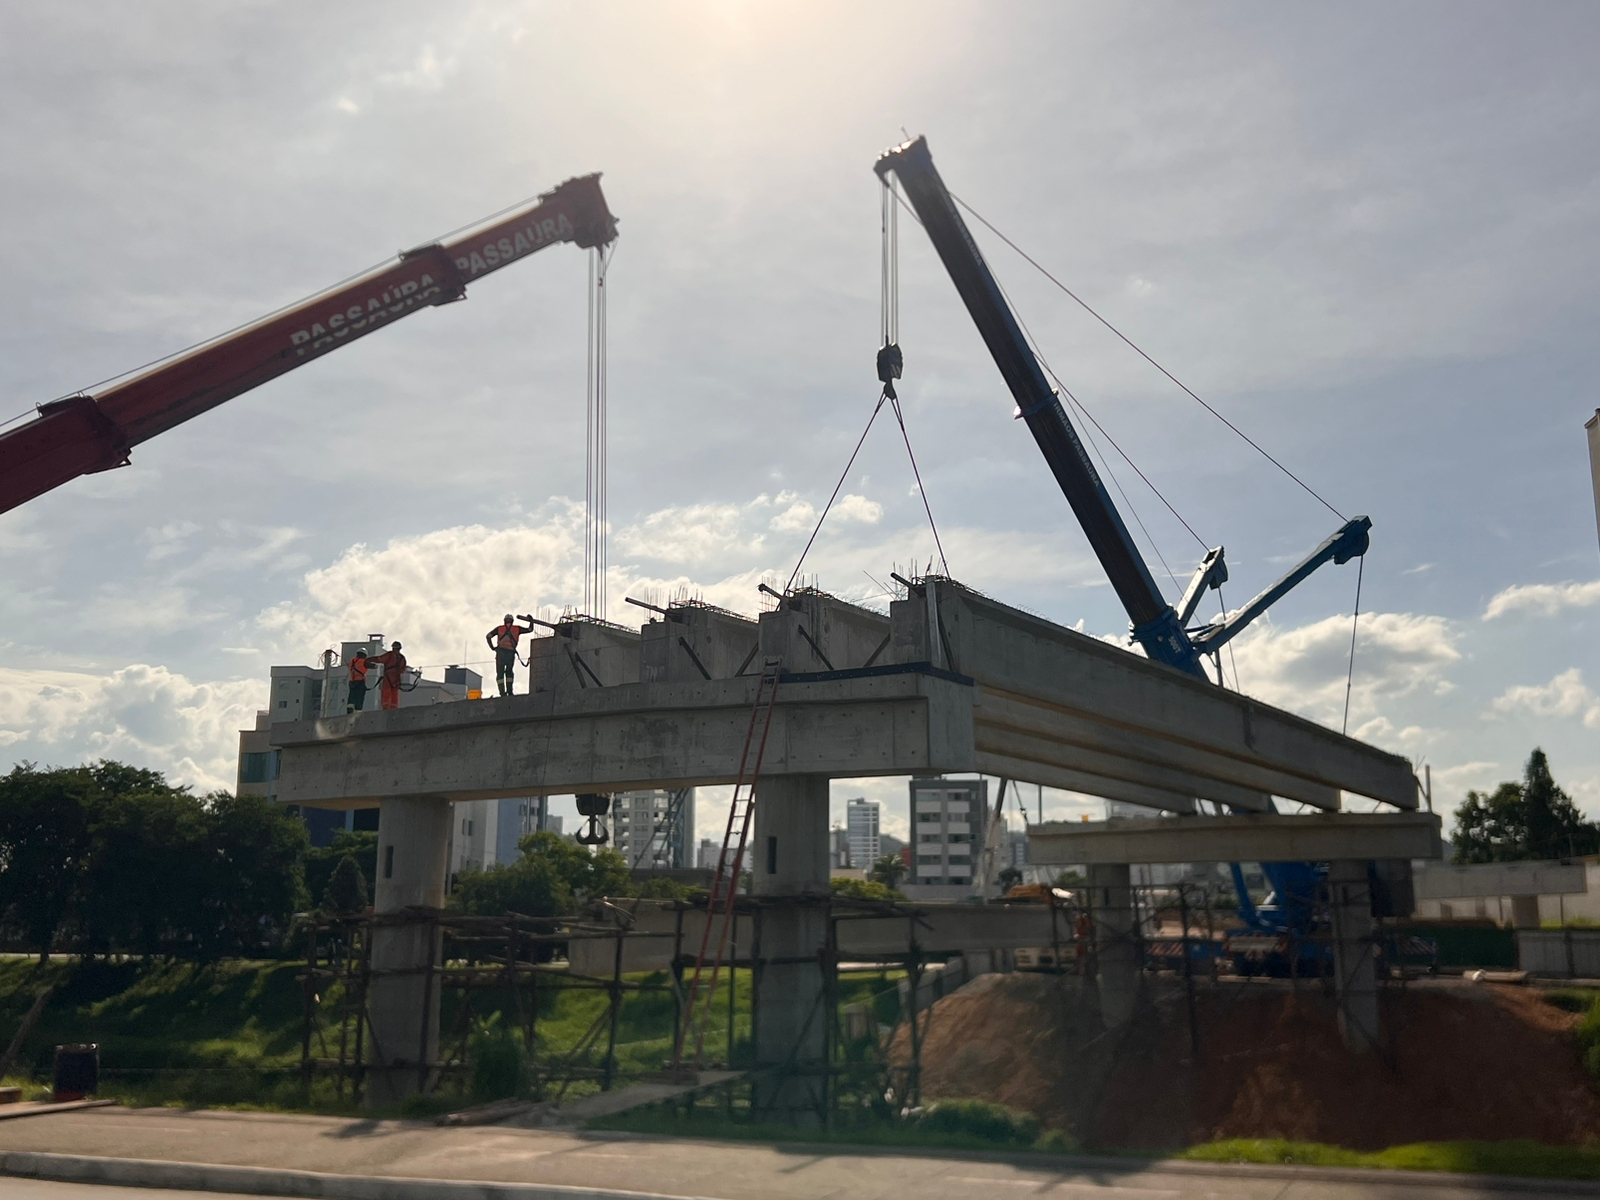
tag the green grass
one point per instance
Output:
(1525, 1158)
(229, 1034)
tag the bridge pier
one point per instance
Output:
(403, 995)
(789, 860)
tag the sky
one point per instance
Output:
(1365, 234)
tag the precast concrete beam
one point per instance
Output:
(1090, 784)
(1026, 658)
(1087, 743)
(901, 721)
(1184, 786)
(1264, 837)
(1447, 881)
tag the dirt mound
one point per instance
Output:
(1459, 1062)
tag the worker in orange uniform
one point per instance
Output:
(394, 670)
(502, 640)
(357, 699)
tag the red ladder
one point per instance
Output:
(725, 885)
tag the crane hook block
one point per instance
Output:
(890, 364)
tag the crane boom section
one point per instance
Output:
(1155, 623)
(83, 434)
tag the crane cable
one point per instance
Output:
(1309, 490)
(889, 364)
(1355, 618)
(1080, 407)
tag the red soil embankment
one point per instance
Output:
(1458, 1062)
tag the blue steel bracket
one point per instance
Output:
(1349, 542)
(1165, 642)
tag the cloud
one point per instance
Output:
(1305, 669)
(799, 515)
(1451, 783)
(692, 534)
(1542, 599)
(436, 592)
(1564, 696)
(143, 714)
(857, 508)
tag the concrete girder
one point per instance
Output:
(633, 736)
(999, 710)
(1073, 780)
(1093, 764)
(1026, 656)
(1256, 837)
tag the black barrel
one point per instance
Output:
(77, 1071)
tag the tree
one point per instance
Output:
(347, 888)
(323, 861)
(1535, 819)
(1008, 878)
(146, 880)
(256, 854)
(603, 873)
(528, 886)
(864, 889)
(44, 837)
(889, 870)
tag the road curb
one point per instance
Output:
(316, 1185)
(273, 1181)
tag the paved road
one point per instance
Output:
(671, 1166)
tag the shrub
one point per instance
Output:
(1588, 1034)
(980, 1119)
(499, 1062)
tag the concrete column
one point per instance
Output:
(1355, 979)
(789, 857)
(1525, 912)
(1116, 941)
(403, 1009)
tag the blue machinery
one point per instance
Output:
(1163, 631)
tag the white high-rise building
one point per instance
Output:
(861, 823)
(640, 831)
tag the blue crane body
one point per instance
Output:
(1163, 631)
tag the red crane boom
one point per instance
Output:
(83, 434)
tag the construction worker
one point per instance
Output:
(394, 670)
(357, 698)
(502, 640)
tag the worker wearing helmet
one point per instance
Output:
(357, 698)
(394, 670)
(502, 640)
